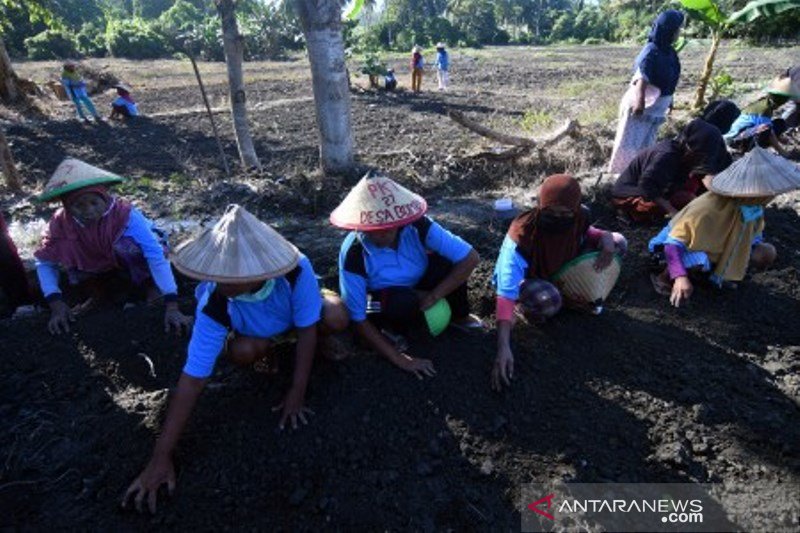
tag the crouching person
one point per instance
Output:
(98, 238)
(256, 285)
(719, 235)
(538, 244)
(398, 267)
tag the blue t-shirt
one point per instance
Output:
(389, 267)
(289, 305)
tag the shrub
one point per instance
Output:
(135, 39)
(50, 44)
(91, 40)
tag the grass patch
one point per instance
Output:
(536, 120)
(602, 114)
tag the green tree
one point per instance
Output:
(711, 14)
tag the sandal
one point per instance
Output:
(664, 289)
(470, 323)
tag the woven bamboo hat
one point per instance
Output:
(580, 282)
(784, 86)
(74, 174)
(759, 173)
(237, 249)
(378, 202)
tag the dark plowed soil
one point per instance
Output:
(641, 393)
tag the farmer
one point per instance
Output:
(755, 126)
(95, 236)
(442, 66)
(255, 285)
(397, 266)
(538, 243)
(13, 282)
(390, 81)
(123, 105)
(76, 90)
(722, 114)
(721, 232)
(791, 113)
(644, 107)
(665, 177)
(417, 65)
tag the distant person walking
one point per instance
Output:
(649, 97)
(417, 64)
(442, 66)
(76, 90)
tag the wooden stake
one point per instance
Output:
(7, 161)
(210, 115)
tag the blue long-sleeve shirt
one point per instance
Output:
(140, 229)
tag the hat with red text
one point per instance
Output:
(378, 202)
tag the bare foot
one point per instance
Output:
(661, 283)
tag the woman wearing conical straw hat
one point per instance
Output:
(397, 267)
(538, 244)
(721, 232)
(258, 285)
(94, 235)
(755, 126)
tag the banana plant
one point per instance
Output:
(710, 13)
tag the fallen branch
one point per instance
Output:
(570, 127)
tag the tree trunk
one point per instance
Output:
(322, 26)
(232, 42)
(708, 69)
(8, 78)
(13, 181)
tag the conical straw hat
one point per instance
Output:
(377, 202)
(238, 249)
(784, 86)
(74, 174)
(580, 282)
(759, 173)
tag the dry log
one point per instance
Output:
(570, 127)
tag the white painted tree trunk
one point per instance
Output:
(322, 26)
(232, 42)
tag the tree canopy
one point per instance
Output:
(49, 29)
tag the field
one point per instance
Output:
(640, 393)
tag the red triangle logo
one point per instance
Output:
(535, 506)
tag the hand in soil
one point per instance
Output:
(503, 369)
(158, 472)
(60, 317)
(173, 318)
(681, 291)
(292, 408)
(418, 367)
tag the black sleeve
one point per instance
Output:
(354, 260)
(216, 308)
